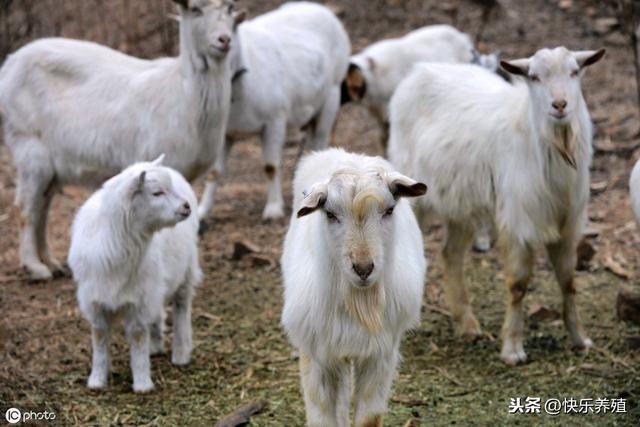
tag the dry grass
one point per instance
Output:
(241, 353)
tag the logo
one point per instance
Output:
(13, 415)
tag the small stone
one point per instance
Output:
(242, 248)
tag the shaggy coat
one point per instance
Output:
(134, 248)
(335, 317)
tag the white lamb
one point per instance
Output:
(353, 276)
(289, 66)
(375, 73)
(517, 154)
(78, 113)
(133, 248)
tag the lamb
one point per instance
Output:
(515, 155)
(353, 281)
(289, 66)
(134, 247)
(375, 73)
(78, 113)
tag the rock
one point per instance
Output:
(634, 342)
(539, 313)
(242, 248)
(628, 306)
(261, 261)
(565, 4)
(605, 25)
(616, 267)
(616, 39)
(585, 253)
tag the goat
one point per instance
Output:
(289, 65)
(134, 245)
(517, 155)
(77, 112)
(354, 270)
(375, 73)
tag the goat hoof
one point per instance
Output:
(482, 244)
(38, 272)
(143, 386)
(583, 344)
(96, 383)
(156, 349)
(469, 327)
(514, 357)
(180, 358)
(273, 211)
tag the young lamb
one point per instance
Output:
(353, 278)
(518, 155)
(375, 73)
(134, 247)
(289, 66)
(78, 113)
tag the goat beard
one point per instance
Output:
(564, 140)
(366, 306)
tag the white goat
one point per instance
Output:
(375, 73)
(133, 247)
(353, 278)
(78, 113)
(517, 154)
(634, 189)
(289, 66)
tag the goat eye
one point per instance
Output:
(389, 211)
(196, 11)
(575, 73)
(331, 217)
(158, 193)
(534, 78)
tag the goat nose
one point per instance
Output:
(224, 40)
(363, 270)
(559, 104)
(187, 207)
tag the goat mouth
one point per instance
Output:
(221, 49)
(558, 116)
(363, 284)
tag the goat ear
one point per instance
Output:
(588, 57)
(313, 199)
(518, 67)
(158, 161)
(403, 186)
(238, 17)
(183, 3)
(354, 86)
(138, 183)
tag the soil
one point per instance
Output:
(241, 353)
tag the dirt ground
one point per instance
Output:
(241, 353)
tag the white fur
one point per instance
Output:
(131, 251)
(295, 58)
(634, 189)
(319, 282)
(77, 112)
(489, 151)
(386, 63)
